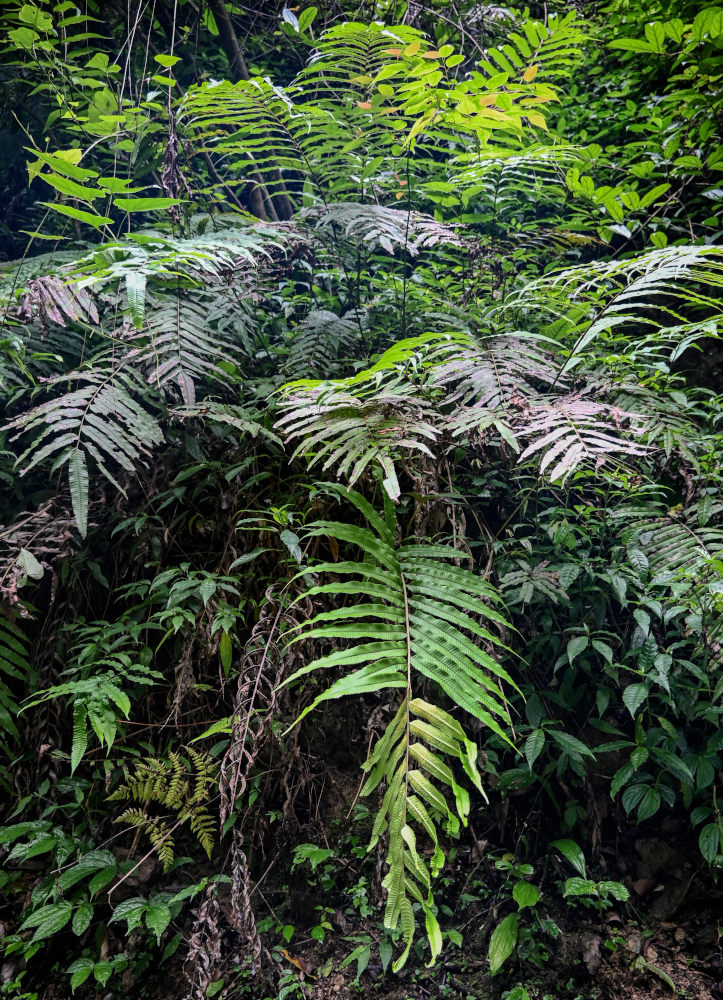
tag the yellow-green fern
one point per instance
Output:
(178, 785)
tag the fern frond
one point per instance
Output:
(322, 341)
(242, 419)
(417, 615)
(655, 291)
(350, 431)
(14, 664)
(176, 786)
(375, 226)
(490, 373)
(683, 548)
(102, 419)
(182, 344)
(498, 183)
(569, 433)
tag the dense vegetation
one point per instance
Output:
(361, 559)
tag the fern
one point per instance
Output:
(179, 785)
(350, 431)
(683, 547)
(14, 665)
(97, 691)
(502, 181)
(418, 617)
(102, 419)
(652, 293)
(183, 345)
(374, 226)
(569, 433)
(491, 372)
(243, 419)
(322, 342)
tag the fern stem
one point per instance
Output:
(408, 695)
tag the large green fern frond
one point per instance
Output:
(418, 617)
(180, 342)
(655, 292)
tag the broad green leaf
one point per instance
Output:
(533, 746)
(82, 918)
(633, 697)
(158, 917)
(503, 941)
(709, 842)
(48, 920)
(89, 218)
(85, 866)
(130, 910)
(649, 804)
(144, 204)
(79, 971)
(571, 744)
(207, 589)
(576, 646)
(525, 894)
(571, 851)
(68, 187)
(579, 887)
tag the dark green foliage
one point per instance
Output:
(478, 289)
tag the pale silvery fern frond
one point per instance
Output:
(488, 372)
(374, 226)
(101, 419)
(349, 431)
(568, 433)
(652, 293)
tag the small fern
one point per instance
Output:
(179, 785)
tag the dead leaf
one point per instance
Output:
(303, 964)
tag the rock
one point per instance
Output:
(591, 954)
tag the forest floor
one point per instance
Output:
(664, 942)
(315, 909)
